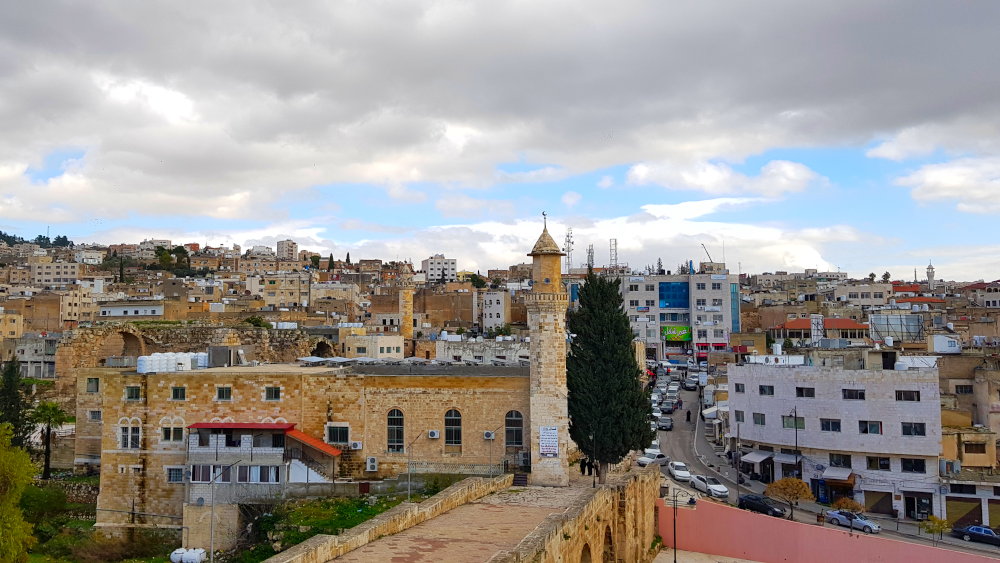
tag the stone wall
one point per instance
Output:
(616, 523)
(322, 548)
(198, 526)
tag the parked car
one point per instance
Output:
(710, 486)
(665, 423)
(690, 384)
(653, 459)
(852, 520)
(657, 413)
(976, 533)
(668, 407)
(678, 471)
(761, 504)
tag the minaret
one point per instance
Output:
(549, 417)
(931, 284)
(406, 309)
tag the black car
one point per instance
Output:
(976, 533)
(761, 504)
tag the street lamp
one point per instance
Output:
(691, 502)
(795, 424)
(211, 547)
(593, 452)
(409, 463)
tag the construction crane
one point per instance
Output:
(706, 252)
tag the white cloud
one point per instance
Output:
(463, 206)
(571, 198)
(605, 182)
(544, 174)
(971, 184)
(775, 179)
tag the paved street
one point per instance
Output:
(687, 443)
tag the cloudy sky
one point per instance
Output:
(859, 135)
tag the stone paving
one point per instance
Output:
(474, 531)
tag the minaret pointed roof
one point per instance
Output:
(545, 245)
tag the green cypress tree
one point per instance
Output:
(608, 408)
(16, 471)
(14, 407)
(329, 263)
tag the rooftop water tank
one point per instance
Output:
(901, 366)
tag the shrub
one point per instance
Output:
(42, 503)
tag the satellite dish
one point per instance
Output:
(200, 501)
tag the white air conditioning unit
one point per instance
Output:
(701, 307)
(489, 435)
(371, 463)
(697, 322)
(433, 434)
(357, 445)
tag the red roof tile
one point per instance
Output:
(313, 442)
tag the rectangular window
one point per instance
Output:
(766, 389)
(633, 287)
(805, 392)
(650, 303)
(132, 393)
(960, 489)
(633, 302)
(907, 395)
(201, 473)
(963, 389)
(338, 434)
(758, 418)
(699, 286)
(272, 393)
(93, 385)
(853, 394)
(173, 434)
(870, 426)
(793, 422)
(178, 393)
(650, 287)
(129, 437)
(94, 416)
(703, 334)
(914, 429)
(840, 460)
(878, 463)
(739, 416)
(979, 448)
(175, 475)
(717, 302)
(739, 388)
(223, 393)
(716, 286)
(912, 465)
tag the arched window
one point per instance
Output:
(453, 428)
(394, 424)
(514, 423)
(130, 433)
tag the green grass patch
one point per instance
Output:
(85, 479)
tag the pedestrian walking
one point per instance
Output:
(590, 467)
(688, 415)
(583, 467)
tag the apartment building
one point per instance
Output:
(288, 250)
(282, 289)
(494, 309)
(58, 275)
(864, 295)
(439, 269)
(679, 313)
(871, 434)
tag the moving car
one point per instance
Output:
(665, 423)
(761, 504)
(678, 471)
(852, 520)
(690, 384)
(653, 459)
(980, 534)
(710, 486)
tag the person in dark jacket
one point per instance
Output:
(583, 467)
(688, 415)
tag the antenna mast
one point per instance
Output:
(569, 250)
(590, 257)
(614, 255)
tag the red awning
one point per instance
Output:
(313, 442)
(286, 426)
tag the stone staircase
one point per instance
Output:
(520, 480)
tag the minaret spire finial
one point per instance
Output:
(545, 221)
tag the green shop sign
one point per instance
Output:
(676, 333)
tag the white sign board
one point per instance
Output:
(548, 441)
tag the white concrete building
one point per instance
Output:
(864, 295)
(91, 257)
(438, 268)
(288, 250)
(132, 309)
(871, 434)
(495, 310)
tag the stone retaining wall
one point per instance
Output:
(322, 548)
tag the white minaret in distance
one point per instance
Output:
(547, 303)
(931, 284)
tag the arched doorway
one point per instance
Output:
(120, 344)
(323, 350)
(585, 554)
(609, 545)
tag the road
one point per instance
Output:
(686, 443)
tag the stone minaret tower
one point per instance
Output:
(931, 284)
(547, 303)
(406, 309)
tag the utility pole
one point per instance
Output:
(409, 464)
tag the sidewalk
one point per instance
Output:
(806, 511)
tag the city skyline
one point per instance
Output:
(859, 137)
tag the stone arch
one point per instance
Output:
(609, 545)
(323, 350)
(121, 340)
(585, 554)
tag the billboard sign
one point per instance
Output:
(675, 333)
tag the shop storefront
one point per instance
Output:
(833, 484)
(759, 465)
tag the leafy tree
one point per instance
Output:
(787, 344)
(164, 258)
(48, 414)
(314, 260)
(871, 277)
(16, 472)
(886, 276)
(848, 504)
(935, 526)
(497, 283)
(257, 321)
(608, 409)
(14, 407)
(477, 281)
(790, 490)
(182, 255)
(42, 241)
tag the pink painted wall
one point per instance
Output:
(720, 529)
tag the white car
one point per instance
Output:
(678, 471)
(710, 486)
(657, 413)
(653, 459)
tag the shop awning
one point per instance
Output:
(710, 412)
(837, 473)
(756, 456)
(786, 458)
(313, 442)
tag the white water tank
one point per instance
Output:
(194, 556)
(202, 360)
(888, 341)
(177, 555)
(901, 366)
(776, 349)
(142, 364)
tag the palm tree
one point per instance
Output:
(49, 414)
